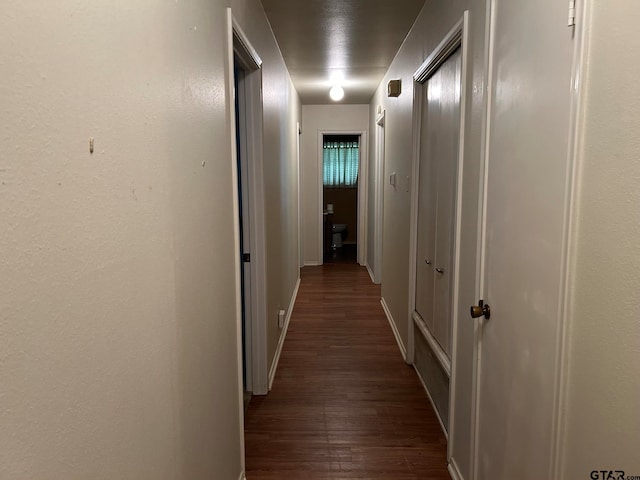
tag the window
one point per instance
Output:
(340, 155)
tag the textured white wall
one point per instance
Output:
(317, 118)
(281, 112)
(118, 347)
(603, 421)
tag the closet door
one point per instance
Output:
(440, 131)
(448, 87)
(427, 201)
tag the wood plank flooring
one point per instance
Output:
(344, 404)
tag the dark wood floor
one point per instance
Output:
(344, 404)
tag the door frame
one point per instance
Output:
(362, 193)
(378, 193)
(244, 209)
(457, 37)
(577, 107)
(300, 206)
(241, 47)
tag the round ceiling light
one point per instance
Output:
(336, 93)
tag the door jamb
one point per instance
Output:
(482, 235)
(299, 167)
(379, 195)
(581, 33)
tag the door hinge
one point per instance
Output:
(572, 13)
(246, 257)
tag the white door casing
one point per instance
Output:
(379, 196)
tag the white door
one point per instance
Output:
(439, 146)
(447, 88)
(526, 186)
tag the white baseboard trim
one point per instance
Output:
(424, 385)
(283, 334)
(394, 328)
(311, 264)
(370, 272)
(454, 471)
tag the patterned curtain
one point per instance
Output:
(340, 161)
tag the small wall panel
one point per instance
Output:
(433, 376)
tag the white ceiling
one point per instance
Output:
(354, 39)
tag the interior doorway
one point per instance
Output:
(247, 144)
(340, 173)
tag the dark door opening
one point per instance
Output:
(340, 173)
(243, 209)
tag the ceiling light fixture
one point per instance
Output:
(336, 93)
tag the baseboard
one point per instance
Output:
(433, 405)
(396, 334)
(283, 334)
(311, 264)
(454, 471)
(370, 272)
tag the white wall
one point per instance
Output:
(317, 118)
(118, 319)
(281, 112)
(603, 422)
(431, 26)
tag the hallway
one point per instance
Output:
(343, 403)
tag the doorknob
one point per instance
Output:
(480, 310)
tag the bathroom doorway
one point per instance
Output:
(341, 162)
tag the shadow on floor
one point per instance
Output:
(346, 254)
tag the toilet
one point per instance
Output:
(338, 231)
